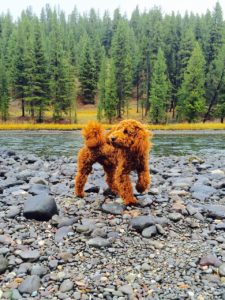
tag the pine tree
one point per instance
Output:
(39, 80)
(215, 81)
(121, 54)
(4, 91)
(101, 88)
(108, 99)
(160, 88)
(192, 93)
(111, 99)
(87, 72)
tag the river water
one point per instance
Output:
(44, 143)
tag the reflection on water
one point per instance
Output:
(68, 143)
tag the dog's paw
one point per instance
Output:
(80, 195)
(130, 201)
(141, 188)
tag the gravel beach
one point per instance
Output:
(56, 246)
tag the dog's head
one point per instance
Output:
(129, 134)
(93, 134)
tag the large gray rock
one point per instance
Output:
(41, 207)
(30, 285)
(216, 211)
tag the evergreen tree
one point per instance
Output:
(121, 54)
(101, 88)
(111, 100)
(160, 88)
(108, 100)
(87, 73)
(215, 83)
(192, 93)
(38, 87)
(4, 91)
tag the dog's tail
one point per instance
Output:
(93, 134)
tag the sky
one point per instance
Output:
(126, 6)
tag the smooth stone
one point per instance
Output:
(13, 212)
(216, 211)
(37, 189)
(62, 232)
(38, 270)
(202, 192)
(142, 222)
(3, 264)
(175, 217)
(16, 295)
(98, 242)
(126, 289)
(210, 260)
(38, 180)
(29, 255)
(222, 269)
(67, 221)
(30, 284)
(66, 286)
(145, 267)
(220, 226)
(149, 232)
(41, 207)
(145, 202)
(113, 208)
(24, 175)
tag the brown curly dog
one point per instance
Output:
(123, 149)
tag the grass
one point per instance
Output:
(69, 127)
(88, 113)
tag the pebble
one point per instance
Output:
(3, 264)
(83, 251)
(175, 217)
(30, 284)
(99, 242)
(113, 208)
(66, 286)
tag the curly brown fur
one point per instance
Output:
(122, 150)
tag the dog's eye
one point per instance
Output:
(125, 131)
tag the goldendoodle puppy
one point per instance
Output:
(123, 149)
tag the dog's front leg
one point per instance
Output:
(124, 185)
(143, 181)
(83, 170)
(143, 173)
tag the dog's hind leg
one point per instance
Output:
(110, 179)
(84, 169)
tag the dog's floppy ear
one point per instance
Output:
(141, 140)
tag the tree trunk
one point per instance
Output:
(23, 107)
(221, 120)
(137, 97)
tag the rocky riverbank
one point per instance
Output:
(56, 246)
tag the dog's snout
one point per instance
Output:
(113, 138)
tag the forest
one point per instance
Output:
(172, 66)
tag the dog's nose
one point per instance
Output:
(113, 138)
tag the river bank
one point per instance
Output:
(170, 246)
(72, 127)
